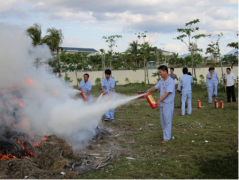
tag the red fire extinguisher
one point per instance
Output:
(151, 100)
(216, 103)
(103, 94)
(83, 96)
(222, 104)
(199, 104)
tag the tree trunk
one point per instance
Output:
(76, 78)
(147, 73)
(192, 62)
(58, 55)
(144, 72)
(102, 66)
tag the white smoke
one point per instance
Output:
(48, 101)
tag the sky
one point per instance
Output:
(85, 22)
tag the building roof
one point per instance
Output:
(74, 49)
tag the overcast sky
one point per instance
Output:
(84, 22)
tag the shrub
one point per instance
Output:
(67, 78)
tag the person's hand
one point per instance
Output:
(158, 103)
(235, 85)
(224, 86)
(218, 83)
(102, 90)
(148, 91)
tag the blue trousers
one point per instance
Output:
(110, 114)
(215, 88)
(186, 96)
(166, 116)
(210, 94)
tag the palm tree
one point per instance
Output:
(134, 49)
(53, 39)
(35, 34)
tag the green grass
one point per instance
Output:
(180, 157)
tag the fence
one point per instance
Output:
(138, 76)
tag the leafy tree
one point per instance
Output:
(214, 49)
(111, 40)
(187, 33)
(173, 58)
(53, 39)
(232, 58)
(35, 34)
(134, 50)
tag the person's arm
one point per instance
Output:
(164, 96)
(112, 86)
(88, 93)
(177, 77)
(211, 75)
(80, 89)
(102, 89)
(89, 89)
(235, 81)
(225, 81)
(218, 81)
(151, 89)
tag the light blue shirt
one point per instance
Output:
(186, 82)
(166, 86)
(85, 87)
(209, 81)
(108, 84)
(214, 77)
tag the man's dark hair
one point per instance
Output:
(189, 73)
(163, 68)
(108, 71)
(229, 69)
(210, 68)
(86, 75)
(172, 69)
(185, 70)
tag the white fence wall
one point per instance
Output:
(138, 76)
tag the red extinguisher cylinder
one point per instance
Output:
(151, 101)
(222, 104)
(103, 94)
(216, 104)
(199, 104)
(83, 96)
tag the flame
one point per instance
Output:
(6, 156)
(30, 81)
(44, 138)
(21, 104)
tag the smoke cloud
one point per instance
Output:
(41, 98)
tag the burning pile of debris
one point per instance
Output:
(24, 154)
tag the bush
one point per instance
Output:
(98, 82)
(202, 81)
(127, 81)
(79, 80)
(67, 78)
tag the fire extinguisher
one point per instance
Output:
(199, 104)
(151, 100)
(103, 94)
(216, 104)
(222, 104)
(83, 96)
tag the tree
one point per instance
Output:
(111, 40)
(35, 34)
(232, 58)
(214, 49)
(134, 50)
(187, 33)
(53, 39)
(173, 58)
(75, 62)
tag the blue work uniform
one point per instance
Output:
(167, 105)
(107, 86)
(85, 87)
(186, 81)
(209, 84)
(215, 83)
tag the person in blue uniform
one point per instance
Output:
(209, 83)
(215, 81)
(166, 86)
(186, 89)
(85, 86)
(108, 87)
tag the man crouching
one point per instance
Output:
(166, 103)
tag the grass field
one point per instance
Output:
(205, 143)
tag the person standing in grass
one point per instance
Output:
(209, 83)
(108, 87)
(186, 89)
(230, 84)
(172, 75)
(85, 86)
(166, 86)
(215, 81)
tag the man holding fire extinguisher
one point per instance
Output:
(85, 86)
(108, 87)
(166, 103)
